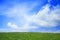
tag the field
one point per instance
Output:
(29, 36)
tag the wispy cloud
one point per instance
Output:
(48, 18)
(24, 22)
(44, 18)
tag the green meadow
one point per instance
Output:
(29, 36)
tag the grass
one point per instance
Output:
(29, 36)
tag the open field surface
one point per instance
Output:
(29, 36)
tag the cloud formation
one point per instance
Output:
(48, 18)
(45, 17)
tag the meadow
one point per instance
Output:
(29, 36)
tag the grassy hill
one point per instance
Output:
(29, 36)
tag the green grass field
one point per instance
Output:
(29, 36)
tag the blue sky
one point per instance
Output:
(30, 16)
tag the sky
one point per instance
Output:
(30, 16)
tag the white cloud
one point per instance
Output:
(20, 9)
(12, 25)
(16, 28)
(19, 12)
(47, 18)
(44, 17)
